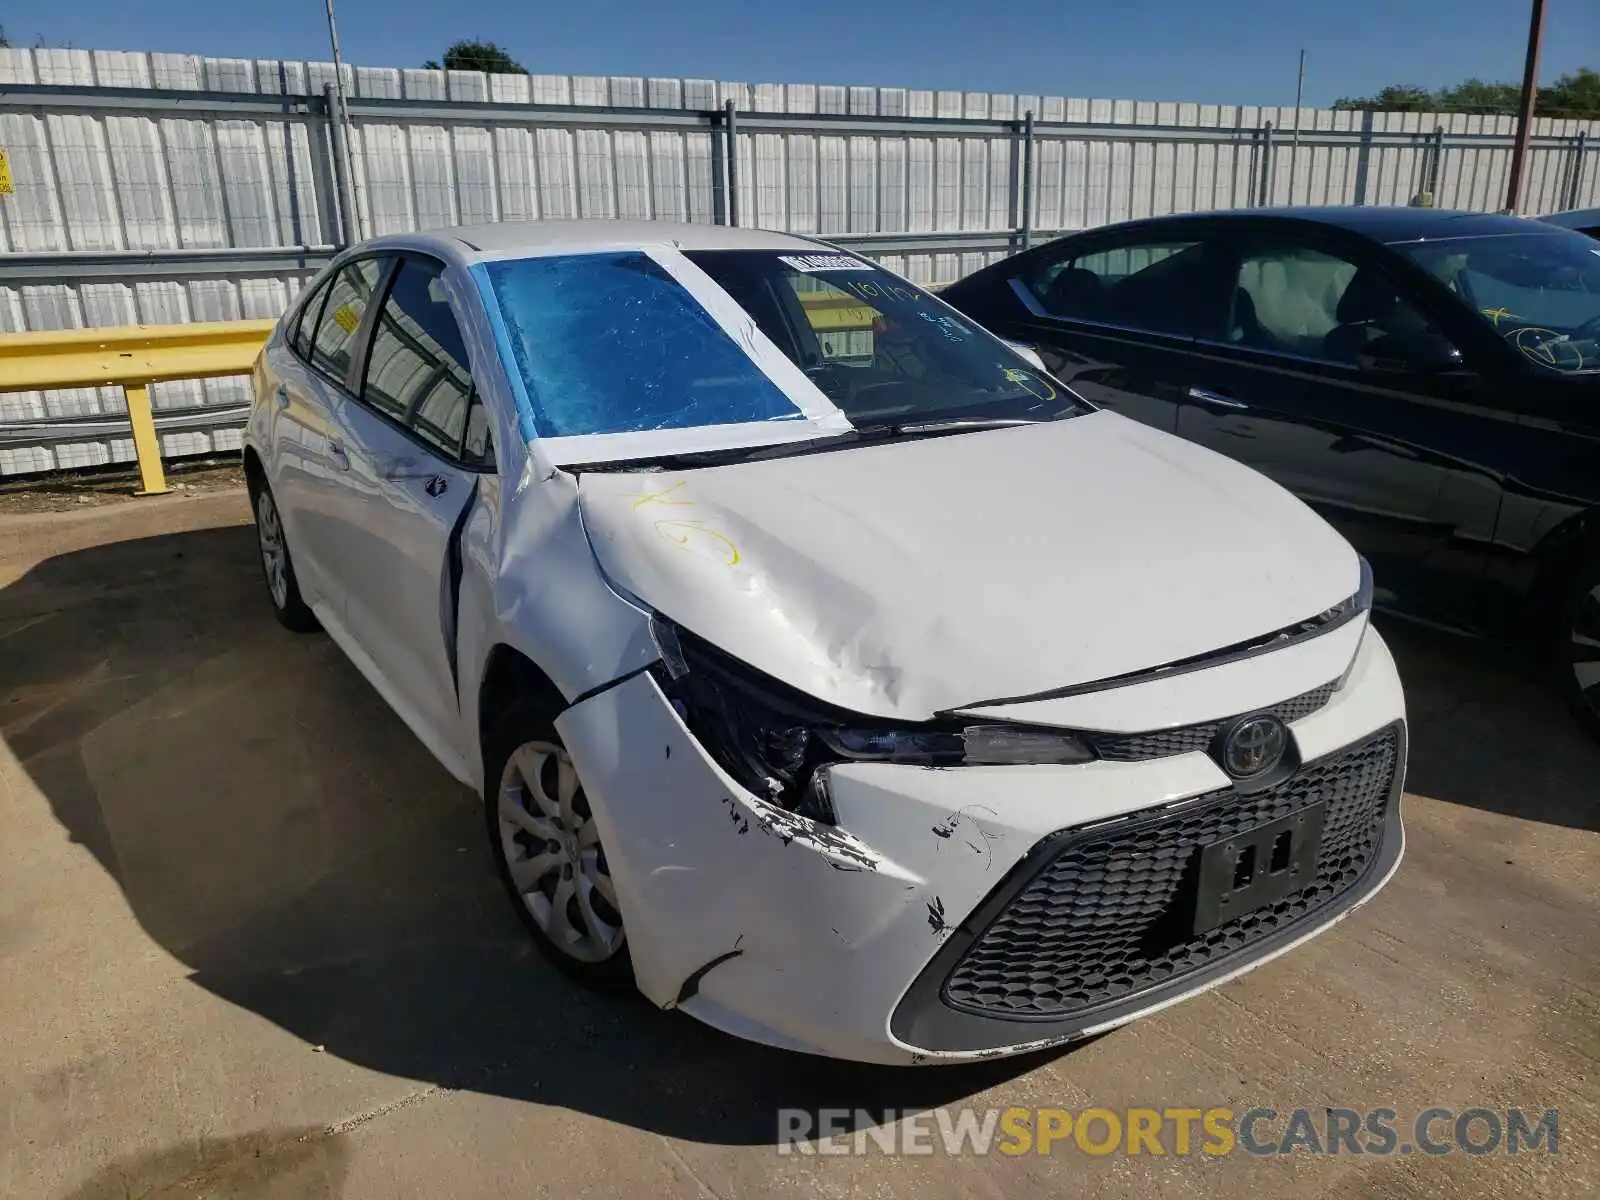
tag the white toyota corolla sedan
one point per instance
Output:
(829, 670)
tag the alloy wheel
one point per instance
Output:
(274, 555)
(553, 853)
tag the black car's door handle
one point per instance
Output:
(1215, 399)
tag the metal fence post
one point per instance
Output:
(1266, 164)
(1025, 223)
(146, 446)
(341, 172)
(730, 131)
(1363, 158)
(1580, 145)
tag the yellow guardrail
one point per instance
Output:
(133, 357)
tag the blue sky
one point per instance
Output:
(1225, 51)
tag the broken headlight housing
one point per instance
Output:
(779, 742)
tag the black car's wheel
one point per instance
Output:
(277, 566)
(547, 847)
(1577, 648)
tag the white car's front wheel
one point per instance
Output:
(547, 846)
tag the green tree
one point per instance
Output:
(1401, 97)
(478, 56)
(1575, 94)
(1476, 96)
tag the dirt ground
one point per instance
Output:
(250, 946)
(69, 491)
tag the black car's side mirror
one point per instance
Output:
(1421, 353)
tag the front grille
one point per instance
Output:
(1111, 914)
(1136, 747)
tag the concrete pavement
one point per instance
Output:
(251, 946)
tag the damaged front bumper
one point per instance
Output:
(883, 938)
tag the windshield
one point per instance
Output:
(1540, 291)
(646, 354)
(879, 348)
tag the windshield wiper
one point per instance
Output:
(946, 425)
(878, 431)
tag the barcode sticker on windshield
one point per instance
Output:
(824, 262)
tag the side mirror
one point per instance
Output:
(1026, 351)
(1421, 353)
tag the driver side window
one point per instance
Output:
(1311, 304)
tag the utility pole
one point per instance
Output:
(1530, 93)
(343, 117)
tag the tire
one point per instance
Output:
(548, 854)
(1577, 644)
(277, 567)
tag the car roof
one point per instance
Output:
(1380, 223)
(577, 236)
(1578, 218)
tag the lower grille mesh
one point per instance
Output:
(1111, 915)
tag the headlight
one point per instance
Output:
(778, 742)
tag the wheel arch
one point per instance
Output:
(1558, 555)
(254, 472)
(510, 675)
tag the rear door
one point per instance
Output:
(1115, 315)
(1304, 390)
(308, 463)
(416, 439)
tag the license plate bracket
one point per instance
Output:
(1257, 866)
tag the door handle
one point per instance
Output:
(283, 396)
(337, 451)
(1215, 399)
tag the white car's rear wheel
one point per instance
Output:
(551, 860)
(276, 564)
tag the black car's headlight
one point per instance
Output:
(777, 741)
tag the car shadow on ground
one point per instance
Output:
(1489, 731)
(276, 828)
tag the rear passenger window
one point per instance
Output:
(307, 325)
(348, 297)
(417, 369)
(1161, 285)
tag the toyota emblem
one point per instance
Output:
(1254, 745)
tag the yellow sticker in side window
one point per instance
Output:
(346, 318)
(5, 175)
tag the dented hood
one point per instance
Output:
(909, 578)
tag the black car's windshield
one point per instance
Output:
(880, 349)
(1540, 291)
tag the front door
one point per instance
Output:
(414, 457)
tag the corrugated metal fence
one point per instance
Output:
(165, 187)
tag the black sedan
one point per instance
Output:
(1429, 381)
